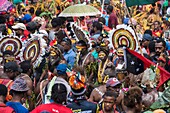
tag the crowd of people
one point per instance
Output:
(80, 72)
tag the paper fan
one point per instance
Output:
(33, 50)
(123, 35)
(10, 43)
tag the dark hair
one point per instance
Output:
(163, 42)
(25, 66)
(110, 8)
(2, 19)
(97, 25)
(110, 94)
(59, 93)
(148, 31)
(56, 22)
(151, 46)
(31, 10)
(38, 12)
(4, 90)
(102, 20)
(8, 52)
(82, 42)
(67, 40)
(133, 97)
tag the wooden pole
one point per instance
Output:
(133, 27)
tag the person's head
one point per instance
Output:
(56, 23)
(19, 28)
(61, 70)
(81, 46)
(45, 36)
(60, 35)
(109, 9)
(113, 84)
(31, 10)
(157, 25)
(148, 31)
(66, 43)
(162, 60)
(19, 87)
(102, 20)
(59, 93)
(3, 92)
(151, 47)
(77, 83)
(8, 56)
(26, 67)
(38, 12)
(146, 39)
(12, 70)
(97, 26)
(109, 99)
(133, 99)
(103, 54)
(160, 46)
(32, 26)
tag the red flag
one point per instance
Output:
(164, 75)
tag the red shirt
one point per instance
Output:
(6, 109)
(52, 108)
(112, 20)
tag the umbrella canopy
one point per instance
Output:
(4, 5)
(79, 10)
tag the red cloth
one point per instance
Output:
(52, 108)
(157, 33)
(6, 109)
(112, 20)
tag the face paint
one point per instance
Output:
(79, 48)
(102, 55)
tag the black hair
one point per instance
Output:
(157, 22)
(59, 93)
(8, 52)
(82, 42)
(56, 22)
(102, 20)
(110, 8)
(163, 42)
(148, 31)
(151, 46)
(4, 90)
(97, 25)
(31, 10)
(110, 94)
(152, 10)
(38, 12)
(25, 66)
(67, 40)
(63, 19)
(2, 19)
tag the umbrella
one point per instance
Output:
(79, 10)
(4, 5)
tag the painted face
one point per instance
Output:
(108, 103)
(8, 58)
(102, 55)
(80, 48)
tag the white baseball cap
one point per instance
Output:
(19, 26)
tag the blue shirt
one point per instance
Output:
(70, 57)
(17, 106)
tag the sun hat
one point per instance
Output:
(20, 85)
(19, 26)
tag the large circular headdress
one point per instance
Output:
(10, 43)
(124, 35)
(33, 50)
